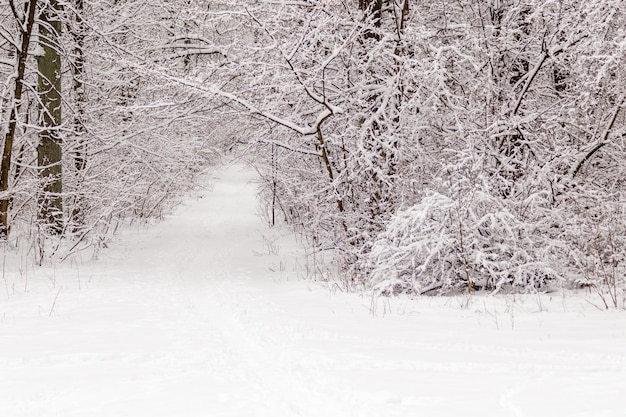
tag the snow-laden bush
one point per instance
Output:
(417, 250)
(442, 244)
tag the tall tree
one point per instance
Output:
(78, 29)
(49, 153)
(25, 24)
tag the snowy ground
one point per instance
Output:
(206, 314)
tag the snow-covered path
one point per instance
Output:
(204, 315)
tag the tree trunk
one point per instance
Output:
(78, 73)
(49, 148)
(26, 29)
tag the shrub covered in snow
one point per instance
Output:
(441, 244)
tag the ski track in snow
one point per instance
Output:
(201, 316)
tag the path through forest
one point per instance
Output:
(206, 314)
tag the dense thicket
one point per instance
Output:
(438, 146)
(430, 146)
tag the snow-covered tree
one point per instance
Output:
(126, 141)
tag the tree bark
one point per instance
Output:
(26, 29)
(79, 130)
(49, 149)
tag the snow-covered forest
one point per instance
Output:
(360, 208)
(418, 147)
